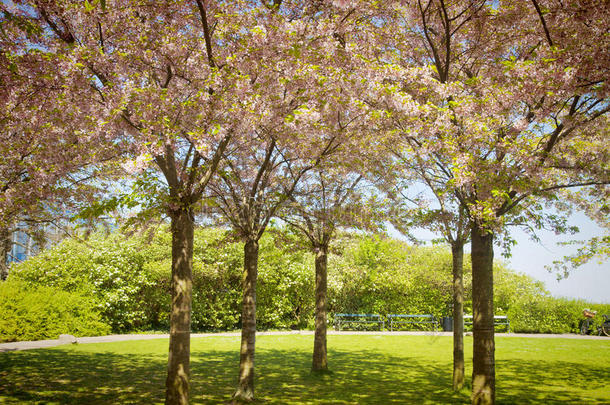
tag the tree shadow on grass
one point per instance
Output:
(65, 377)
(283, 377)
(552, 382)
(357, 377)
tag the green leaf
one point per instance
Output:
(88, 7)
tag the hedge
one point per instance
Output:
(128, 279)
(38, 313)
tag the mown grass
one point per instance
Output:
(366, 370)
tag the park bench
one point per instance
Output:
(499, 320)
(404, 319)
(354, 319)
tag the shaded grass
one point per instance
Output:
(365, 370)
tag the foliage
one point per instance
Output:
(384, 276)
(107, 268)
(285, 291)
(510, 287)
(596, 248)
(544, 314)
(217, 266)
(37, 313)
(129, 279)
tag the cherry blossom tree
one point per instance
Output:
(315, 211)
(517, 108)
(310, 101)
(333, 196)
(444, 216)
(168, 82)
(334, 193)
(434, 30)
(254, 183)
(410, 88)
(262, 169)
(546, 135)
(47, 163)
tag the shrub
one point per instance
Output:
(511, 287)
(385, 276)
(110, 269)
(217, 265)
(285, 293)
(35, 313)
(546, 314)
(129, 278)
(285, 283)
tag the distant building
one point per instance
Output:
(22, 247)
(27, 241)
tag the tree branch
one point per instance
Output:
(541, 16)
(206, 32)
(213, 164)
(262, 168)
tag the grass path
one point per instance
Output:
(367, 369)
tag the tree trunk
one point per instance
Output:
(5, 247)
(484, 373)
(245, 385)
(320, 362)
(457, 251)
(178, 369)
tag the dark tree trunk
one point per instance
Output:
(457, 250)
(484, 373)
(245, 385)
(5, 248)
(178, 369)
(320, 362)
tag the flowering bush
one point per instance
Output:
(128, 281)
(108, 269)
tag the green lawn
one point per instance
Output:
(366, 370)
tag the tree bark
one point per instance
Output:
(484, 373)
(245, 385)
(5, 247)
(320, 361)
(178, 369)
(457, 251)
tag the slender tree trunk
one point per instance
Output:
(484, 373)
(178, 369)
(457, 250)
(5, 247)
(320, 361)
(245, 385)
(28, 247)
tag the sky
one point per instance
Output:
(590, 282)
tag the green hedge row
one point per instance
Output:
(38, 313)
(128, 280)
(545, 314)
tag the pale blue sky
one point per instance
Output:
(590, 281)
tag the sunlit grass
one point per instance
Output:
(366, 370)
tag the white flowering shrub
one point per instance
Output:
(108, 269)
(128, 281)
